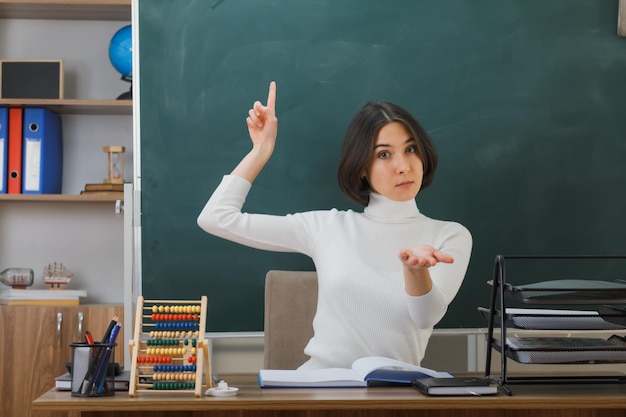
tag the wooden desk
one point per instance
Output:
(598, 400)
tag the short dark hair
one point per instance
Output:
(358, 147)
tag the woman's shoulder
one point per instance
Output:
(449, 226)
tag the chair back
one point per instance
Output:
(290, 305)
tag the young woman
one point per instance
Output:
(386, 275)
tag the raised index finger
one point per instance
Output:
(271, 96)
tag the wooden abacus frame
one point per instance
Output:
(144, 325)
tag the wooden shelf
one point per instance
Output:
(75, 106)
(66, 9)
(59, 198)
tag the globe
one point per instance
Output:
(121, 52)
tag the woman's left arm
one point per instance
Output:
(416, 262)
(433, 276)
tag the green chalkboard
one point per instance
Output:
(523, 98)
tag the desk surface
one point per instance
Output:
(571, 399)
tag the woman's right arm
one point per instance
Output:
(263, 128)
(222, 217)
(222, 214)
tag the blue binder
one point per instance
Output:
(42, 167)
(4, 148)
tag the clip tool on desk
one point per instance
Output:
(104, 364)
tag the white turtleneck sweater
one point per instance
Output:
(362, 309)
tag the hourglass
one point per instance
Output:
(116, 164)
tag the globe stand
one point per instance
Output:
(128, 95)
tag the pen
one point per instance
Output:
(101, 374)
(114, 332)
(89, 339)
(107, 334)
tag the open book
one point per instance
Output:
(364, 371)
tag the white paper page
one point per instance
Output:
(550, 319)
(308, 376)
(32, 165)
(2, 159)
(364, 366)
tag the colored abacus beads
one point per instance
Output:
(174, 317)
(162, 342)
(177, 334)
(176, 325)
(174, 368)
(176, 309)
(174, 385)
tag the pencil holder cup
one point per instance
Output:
(90, 369)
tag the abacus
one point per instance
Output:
(168, 348)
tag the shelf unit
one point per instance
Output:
(91, 119)
(600, 295)
(24, 209)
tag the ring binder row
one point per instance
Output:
(31, 151)
(595, 301)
